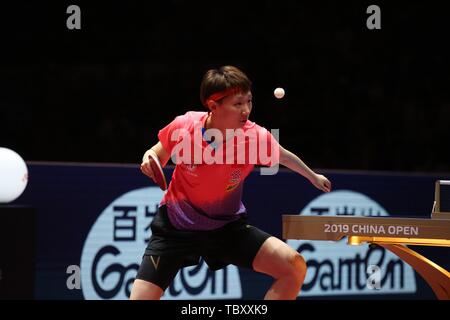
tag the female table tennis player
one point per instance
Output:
(201, 215)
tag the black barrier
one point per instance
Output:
(17, 252)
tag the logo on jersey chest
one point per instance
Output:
(235, 179)
(190, 169)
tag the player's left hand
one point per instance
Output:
(322, 183)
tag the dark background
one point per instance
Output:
(355, 98)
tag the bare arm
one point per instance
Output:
(159, 151)
(294, 163)
(162, 155)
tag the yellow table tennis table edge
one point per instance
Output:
(437, 277)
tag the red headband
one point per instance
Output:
(222, 94)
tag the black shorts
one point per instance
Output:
(170, 249)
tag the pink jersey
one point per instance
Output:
(206, 188)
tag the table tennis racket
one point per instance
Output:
(160, 179)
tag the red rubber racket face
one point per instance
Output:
(158, 172)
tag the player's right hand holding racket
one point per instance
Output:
(146, 168)
(151, 167)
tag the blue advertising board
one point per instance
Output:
(92, 226)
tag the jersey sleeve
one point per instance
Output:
(168, 136)
(268, 148)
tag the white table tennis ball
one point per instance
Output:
(279, 93)
(13, 175)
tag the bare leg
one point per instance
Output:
(144, 290)
(286, 265)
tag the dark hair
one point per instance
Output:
(224, 78)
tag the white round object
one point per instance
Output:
(13, 175)
(279, 93)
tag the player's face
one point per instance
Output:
(235, 110)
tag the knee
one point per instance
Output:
(298, 267)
